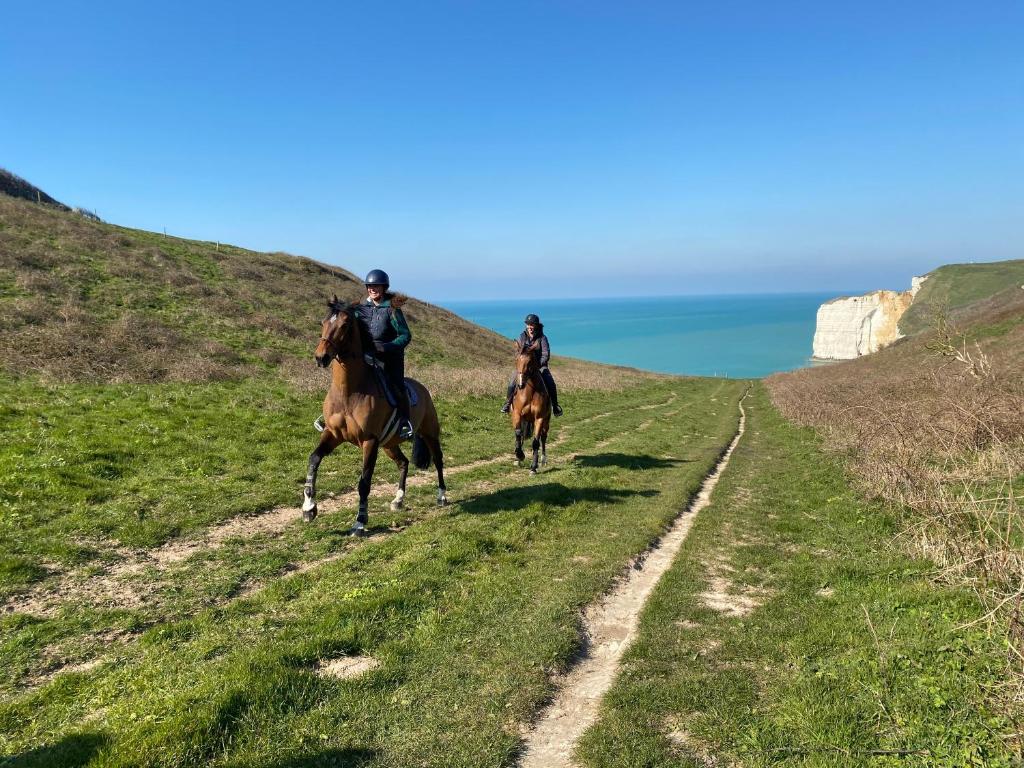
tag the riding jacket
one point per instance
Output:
(386, 324)
(545, 350)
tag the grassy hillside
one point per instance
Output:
(791, 632)
(955, 286)
(932, 426)
(87, 301)
(162, 604)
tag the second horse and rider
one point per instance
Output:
(368, 402)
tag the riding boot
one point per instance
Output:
(508, 398)
(405, 428)
(549, 382)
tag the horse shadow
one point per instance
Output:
(552, 494)
(627, 461)
(70, 752)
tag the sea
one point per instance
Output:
(736, 336)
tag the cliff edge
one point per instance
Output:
(851, 326)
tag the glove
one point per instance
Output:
(380, 346)
(370, 360)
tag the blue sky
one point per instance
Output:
(486, 149)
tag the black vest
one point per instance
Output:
(378, 321)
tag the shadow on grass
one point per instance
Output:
(628, 461)
(552, 494)
(335, 758)
(70, 752)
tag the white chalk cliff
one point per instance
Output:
(851, 326)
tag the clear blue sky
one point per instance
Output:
(480, 149)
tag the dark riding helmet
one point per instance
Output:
(532, 319)
(377, 277)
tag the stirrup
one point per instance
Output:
(506, 407)
(405, 429)
(319, 425)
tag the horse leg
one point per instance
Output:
(326, 445)
(517, 425)
(369, 462)
(402, 462)
(434, 443)
(544, 445)
(540, 428)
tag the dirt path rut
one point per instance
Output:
(610, 627)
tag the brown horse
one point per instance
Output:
(356, 411)
(531, 407)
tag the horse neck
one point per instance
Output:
(534, 381)
(348, 371)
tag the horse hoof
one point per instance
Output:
(533, 471)
(396, 505)
(309, 515)
(442, 501)
(357, 529)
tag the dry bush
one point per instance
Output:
(935, 427)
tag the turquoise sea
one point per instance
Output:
(736, 336)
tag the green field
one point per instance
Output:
(468, 608)
(162, 604)
(212, 659)
(791, 631)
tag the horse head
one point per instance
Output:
(526, 363)
(338, 333)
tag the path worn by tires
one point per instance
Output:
(609, 628)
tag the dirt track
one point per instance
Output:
(610, 627)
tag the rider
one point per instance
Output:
(383, 318)
(534, 333)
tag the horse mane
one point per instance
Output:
(398, 300)
(337, 306)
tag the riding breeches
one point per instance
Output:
(394, 372)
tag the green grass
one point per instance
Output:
(956, 285)
(469, 608)
(853, 655)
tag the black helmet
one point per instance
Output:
(532, 319)
(377, 277)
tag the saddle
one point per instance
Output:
(378, 371)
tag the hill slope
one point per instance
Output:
(89, 301)
(954, 287)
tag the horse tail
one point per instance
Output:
(420, 452)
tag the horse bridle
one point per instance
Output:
(332, 347)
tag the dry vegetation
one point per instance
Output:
(87, 301)
(934, 426)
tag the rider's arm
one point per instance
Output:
(403, 334)
(545, 351)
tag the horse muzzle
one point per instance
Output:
(322, 361)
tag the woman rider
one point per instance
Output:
(383, 318)
(380, 313)
(534, 334)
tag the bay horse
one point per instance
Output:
(531, 406)
(356, 411)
